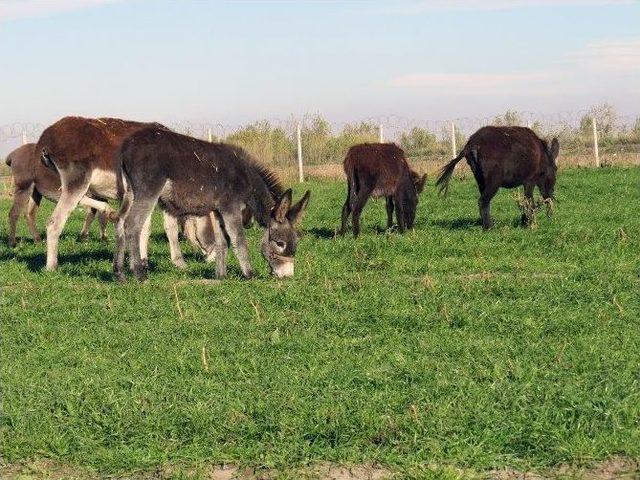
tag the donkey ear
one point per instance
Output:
(295, 213)
(421, 183)
(554, 150)
(279, 212)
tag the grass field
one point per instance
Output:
(441, 351)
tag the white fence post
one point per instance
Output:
(595, 142)
(380, 133)
(210, 135)
(454, 150)
(299, 138)
(24, 138)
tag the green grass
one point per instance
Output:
(447, 345)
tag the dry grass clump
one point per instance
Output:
(529, 207)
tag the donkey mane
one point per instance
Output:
(269, 177)
(266, 186)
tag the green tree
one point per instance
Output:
(418, 142)
(316, 141)
(606, 120)
(510, 118)
(267, 144)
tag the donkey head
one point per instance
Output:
(408, 195)
(418, 181)
(280, 239)
(550, 170)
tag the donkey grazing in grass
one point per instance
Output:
(32, 181)
(186, 176)
(83, 152)
(380, 170)
(506, 157)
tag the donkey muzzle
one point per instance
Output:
(282, 267)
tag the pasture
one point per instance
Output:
(442, 353)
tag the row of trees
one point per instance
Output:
(321, 144)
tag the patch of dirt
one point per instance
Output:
(616, 468)
(329, 471)
(44, 469)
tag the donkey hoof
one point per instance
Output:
(120, 276)
(141, 275)
(248, 275)
(83, 237)
(12, 244)
(180, 264)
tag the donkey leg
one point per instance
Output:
(145, 233)
(221, 245)
(389, 212)
(134, 225)
(32, 212)
(527, 214)
(100, 206)
(118, 257)
(235, 230)
(88, 220)
(171, 228)
(358, 205)
(346, 210)
(71, 195)
(205, 236)
(402, 226)
(20, 200)
(484, 204)
(103, 221)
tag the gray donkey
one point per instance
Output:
(32, 181)
(186, 176)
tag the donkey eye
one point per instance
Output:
(280, 244)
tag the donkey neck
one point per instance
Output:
(261, 201)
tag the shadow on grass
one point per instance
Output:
(458, 223)
(36, 261)
(322, 232)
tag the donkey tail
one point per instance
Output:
(445, 174)
(47, 161)
(124, 192)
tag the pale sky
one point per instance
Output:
(234, 62)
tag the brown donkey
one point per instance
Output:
(83, 152)
(32, 181)
(380, 170)
(186, 176)
(506, 157)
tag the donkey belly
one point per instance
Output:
(103, 184)
(186, 201)
(383, 188)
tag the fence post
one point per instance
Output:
(380, 133)
(24, 137)
(299, 138)
(595, 142)
(454, 150)
(210, 135)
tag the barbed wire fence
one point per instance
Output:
(587, 137)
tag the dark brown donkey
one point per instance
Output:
(380, 170)
(506, 157)
(186, 176)
(32, 181)
(83, 152)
